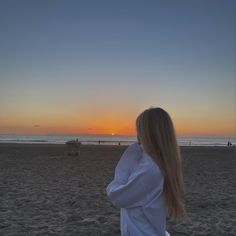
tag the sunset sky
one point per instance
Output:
(70, 67)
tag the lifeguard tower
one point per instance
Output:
(73, 147)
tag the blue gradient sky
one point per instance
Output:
(86, 66)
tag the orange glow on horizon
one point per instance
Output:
(113, 127)
(204, 128)
(106, 123)
(110, 124)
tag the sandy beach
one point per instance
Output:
(45, 192)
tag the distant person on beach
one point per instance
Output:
(229, 144)
(148, 183)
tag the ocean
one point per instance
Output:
(111, 139)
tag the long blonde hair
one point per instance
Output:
(156, 133)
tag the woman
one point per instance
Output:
(148, 184)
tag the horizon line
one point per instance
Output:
(112, 135)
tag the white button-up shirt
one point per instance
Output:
(137, 189)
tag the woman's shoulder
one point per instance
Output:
(148, 174)
(134, 148)
(131, 155)
(147, 164)
(143, 163)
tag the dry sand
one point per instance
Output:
(44, 192)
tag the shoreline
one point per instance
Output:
(113, 145)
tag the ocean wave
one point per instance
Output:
(22, 141)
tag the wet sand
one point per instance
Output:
(45, 192)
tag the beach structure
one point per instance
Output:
(73, 147)
(229, 144)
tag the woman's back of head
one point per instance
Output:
(156, 132)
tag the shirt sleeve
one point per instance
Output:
(127, 163)
(137, 191)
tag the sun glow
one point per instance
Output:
(107, 123)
